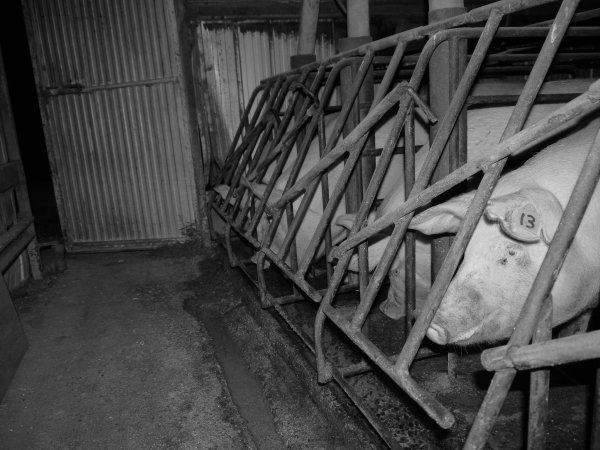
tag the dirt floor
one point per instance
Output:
(164, 349)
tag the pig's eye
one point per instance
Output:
(512, 252)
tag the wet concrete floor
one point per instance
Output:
(145, 350)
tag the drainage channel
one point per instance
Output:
(245, 390)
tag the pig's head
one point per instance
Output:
(485, 297)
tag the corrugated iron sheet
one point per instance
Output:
(115, 120)
(237, 55)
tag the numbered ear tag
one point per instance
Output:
(523, 224)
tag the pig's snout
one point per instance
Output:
(437, 334)
(458, 318)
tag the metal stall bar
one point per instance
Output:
(323, 226)
(285, 152)
(579, 347)
(539, 293)
(475, 15)
(346, 109)
(319, 127)
(231, 159)
(352, 330)
(298, 277)
(271, 124)
(247, 152)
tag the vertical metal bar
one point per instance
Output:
(325, 192)
(595, 438)
(410, 244)
(457, 156)
(501, 382)
(539, 386)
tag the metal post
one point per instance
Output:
(539, 386)
(445, 70)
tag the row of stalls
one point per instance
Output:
(309, 202)
(307, 155)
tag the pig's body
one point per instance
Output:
(503, 257)
(485, 130)
(315, 211)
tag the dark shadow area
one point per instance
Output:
(21, 85)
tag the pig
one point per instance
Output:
(315, 210)
(485, 127)
(510, 241)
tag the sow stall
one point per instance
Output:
(286, 113)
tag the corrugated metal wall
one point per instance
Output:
(112, 98)
(234, 57)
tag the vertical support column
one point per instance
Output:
(445, 69)
(539, 385)
(359, 33)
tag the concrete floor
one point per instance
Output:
(115, 361)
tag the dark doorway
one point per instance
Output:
(21, 85)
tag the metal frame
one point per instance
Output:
(272, 137)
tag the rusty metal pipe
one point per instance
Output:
(474, 16)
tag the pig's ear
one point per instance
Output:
(223, 190)
(346, 220)
(443, 218)
(258, 190)
(527, 215)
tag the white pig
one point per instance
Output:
(510, 241)
(485, 127)
(315, 211)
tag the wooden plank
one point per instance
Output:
(13, 342)
(9, 175)
(23, 235)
